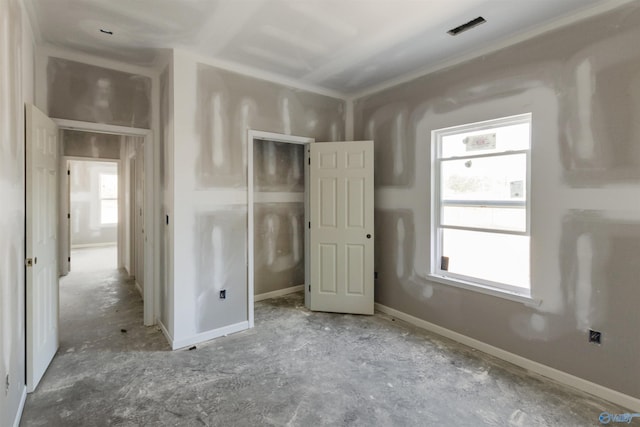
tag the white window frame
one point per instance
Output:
(101, 197)
(458, 280)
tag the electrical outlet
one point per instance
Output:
(595, 336)
(223, 294)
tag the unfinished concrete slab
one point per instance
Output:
(295, 367)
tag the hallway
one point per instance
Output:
(102, 341)
(295, 367)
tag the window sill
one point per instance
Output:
(524, 297)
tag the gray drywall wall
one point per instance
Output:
(229, 104)
(221, 265)
(212, 112)
(88, 93)
(90, 144)
(278, 246)
(86, 227)
(16, 88)
(582, 84)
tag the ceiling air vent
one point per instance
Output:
(469, 25)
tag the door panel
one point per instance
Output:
(41, 243)
(341, 227)
(328, 269)
(355, 269)
(355, 203)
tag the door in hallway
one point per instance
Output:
(41, 147)
(341, 227)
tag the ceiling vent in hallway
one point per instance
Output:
(469, 25)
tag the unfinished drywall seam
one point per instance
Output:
(48, 50)
(349, 120)
(578, 16)
(262, 75)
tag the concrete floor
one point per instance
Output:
(295, 368)
(96, 258)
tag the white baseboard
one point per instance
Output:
(94, 245)
(209, 335)
(278, 293)
(165, 331)
(23, 400)
(602, 392)
(139, 288)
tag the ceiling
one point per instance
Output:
(345, 46)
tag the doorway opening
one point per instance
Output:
(334, 194)
(93, 215)
(277, 208)
(48, 215)
(103, 203)
(120, 203)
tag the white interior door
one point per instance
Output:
(41, 243)
(341, 248)
(133, 218)
(140, 226)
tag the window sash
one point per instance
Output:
(439, 204)
(506, 204)
(104, 219)
(473, 280)
(486, 125)
(478, 156)
(485, 203)
(486, 230)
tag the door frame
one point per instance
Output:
(132, 216)
(151, 192)
(254, 135)
(66, 199)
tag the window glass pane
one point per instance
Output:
(511, 219)
(500, 258)
(109, 211)
(501, 178)
(108, 186)
(487, 141)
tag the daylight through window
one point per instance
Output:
(481, 207)
(108, 198)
